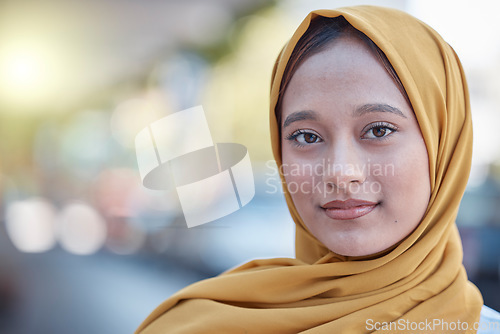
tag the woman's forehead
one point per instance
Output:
(346, 73)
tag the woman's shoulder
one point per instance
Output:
(489, 323)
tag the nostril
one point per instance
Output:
(340, 182)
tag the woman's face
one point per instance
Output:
(354, 159)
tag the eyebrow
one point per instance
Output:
(300, 116)
(358, 112)
(376, 107)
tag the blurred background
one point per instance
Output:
(84, 247)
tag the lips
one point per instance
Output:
(349, 209)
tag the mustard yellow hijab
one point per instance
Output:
(420, 279)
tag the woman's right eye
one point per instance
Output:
(304, 137)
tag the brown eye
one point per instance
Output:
(379, 131)
(310, 138)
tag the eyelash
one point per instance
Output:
(377, 125)
(294, 135)
(380, 125)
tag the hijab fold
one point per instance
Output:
(420, 279)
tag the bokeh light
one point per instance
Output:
(31, 72)
(81, 230)
(30, 225)
(132, 115)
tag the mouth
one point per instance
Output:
(349, 209)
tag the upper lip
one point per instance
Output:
(349, 203)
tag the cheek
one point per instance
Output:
(299, 182)
(302, 177)
(416, 169)
(410, 184)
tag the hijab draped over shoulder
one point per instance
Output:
(420, 279)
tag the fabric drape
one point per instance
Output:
(420, 279)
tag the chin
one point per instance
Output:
(358, 247)
(353, 252)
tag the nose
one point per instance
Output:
(345, 165)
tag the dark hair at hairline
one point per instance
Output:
(321, 33)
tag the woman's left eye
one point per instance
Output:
(379, 131)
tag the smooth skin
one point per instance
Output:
(348, 133)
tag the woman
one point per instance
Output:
(371, 127)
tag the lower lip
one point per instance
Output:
(350, 213)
